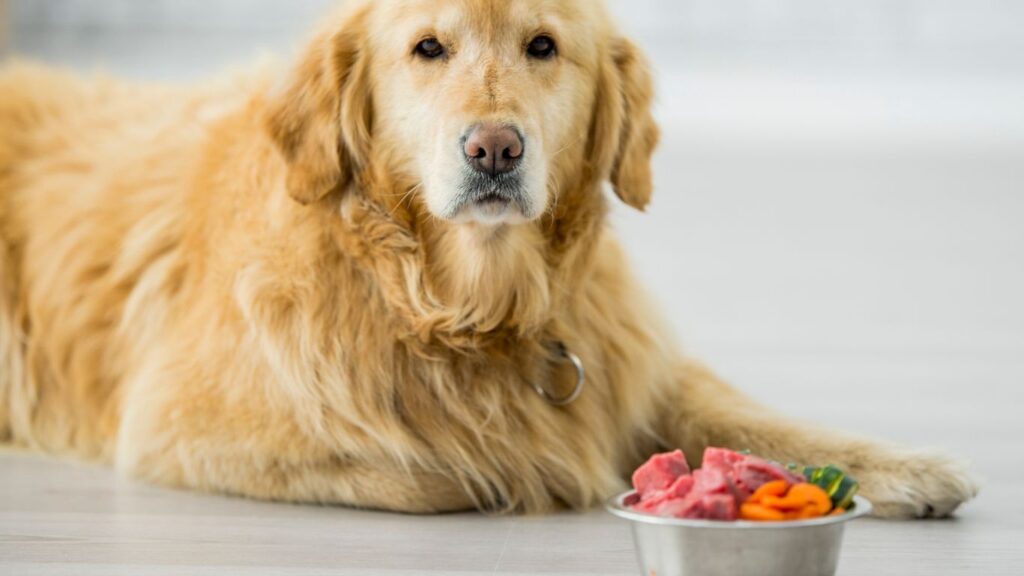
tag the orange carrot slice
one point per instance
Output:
(812, 495)
(799, 497)
(777, 488)
(776, 501)
(759, 513)
(807, 513)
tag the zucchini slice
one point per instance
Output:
(836, 483)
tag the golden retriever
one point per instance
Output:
(367, 282)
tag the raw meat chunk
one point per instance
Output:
(665, 486)
(655, 501)
(659, 473)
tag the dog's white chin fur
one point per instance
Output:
(492, 214)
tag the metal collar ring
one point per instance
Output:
(566, 357)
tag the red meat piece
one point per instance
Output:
(752, 473)
(660, 472)
(698, 507)
(711, 498)
(720, 507)
(681, 487)
(721, 459)
(708, 481)
(655, 502)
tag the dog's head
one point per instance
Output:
(487, 106)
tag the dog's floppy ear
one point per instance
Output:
(321, 121)
(624, 133)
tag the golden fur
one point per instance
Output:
(239, 287)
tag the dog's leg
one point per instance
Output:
(329, 480)
(194, 437)
(236, 469)
(703, 411)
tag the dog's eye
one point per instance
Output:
(431, 49)
(541, 47)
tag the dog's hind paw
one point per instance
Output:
(918, 485)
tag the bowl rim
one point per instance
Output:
(862, 507)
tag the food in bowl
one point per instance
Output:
(732, 486)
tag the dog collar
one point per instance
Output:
(564, 356)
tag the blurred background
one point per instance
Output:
(840, 198)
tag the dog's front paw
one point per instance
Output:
(917, 485)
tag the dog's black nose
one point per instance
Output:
(493, 149)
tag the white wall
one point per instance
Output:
(4, 25)
(794, 23)
(867, 27)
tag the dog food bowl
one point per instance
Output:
(674, 547)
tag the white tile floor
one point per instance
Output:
(856, 233)
(60, 518)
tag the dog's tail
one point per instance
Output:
(30, 96)
(11, 342)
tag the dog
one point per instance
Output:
(382, 279)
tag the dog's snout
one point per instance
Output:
(494, 149)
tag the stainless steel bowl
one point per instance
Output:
(673, 547)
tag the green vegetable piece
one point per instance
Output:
(843, 498)
(840, 487)
(828, 479)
